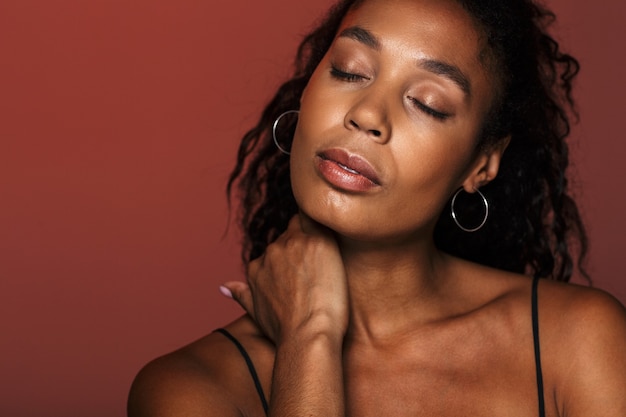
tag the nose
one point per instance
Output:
(369, 115)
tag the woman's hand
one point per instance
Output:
(298, 285)
(297, 294)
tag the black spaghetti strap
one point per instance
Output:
(251, 369)
(535, 314)
(535, 320)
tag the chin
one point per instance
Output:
(343, 222)
(350, 215)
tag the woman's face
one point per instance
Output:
(389, 120)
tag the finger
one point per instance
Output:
(240, 292)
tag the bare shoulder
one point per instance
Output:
(580, 313)
(205, 378)
(579, 297)
(180, 383)
(571, 308)
(583, 335)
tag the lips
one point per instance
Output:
(347, 171)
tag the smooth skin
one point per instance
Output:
(353, 311)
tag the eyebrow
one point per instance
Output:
(449, 71)
(361, 35)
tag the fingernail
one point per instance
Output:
(226, 292)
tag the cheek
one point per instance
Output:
(320, 122)
(321, 105)
(301, 167)
(308, 138)
(428, 170)
(431, 157)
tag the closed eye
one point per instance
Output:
(429, 110)
(345, 76)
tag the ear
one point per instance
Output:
(485, 166)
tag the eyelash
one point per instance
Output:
(346, 76)
(429, 110)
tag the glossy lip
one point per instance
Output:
(347, 171)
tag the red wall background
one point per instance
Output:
(119, 121)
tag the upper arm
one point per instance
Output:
(593, 358)
(169, 387)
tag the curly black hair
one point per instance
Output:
(534, 225)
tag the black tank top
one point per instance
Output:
(535, 321)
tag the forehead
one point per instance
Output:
(412, 30)
(442, 24)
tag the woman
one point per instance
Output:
(365, 297)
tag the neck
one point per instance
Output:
(393, 287)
